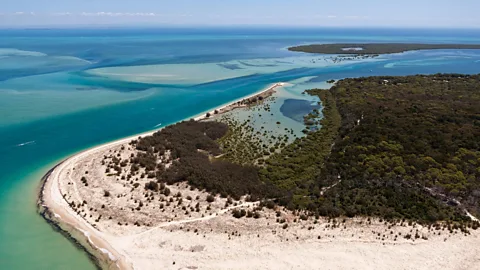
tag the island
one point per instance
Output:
(386, 172)
(376, 48)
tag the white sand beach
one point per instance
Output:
(171, 237)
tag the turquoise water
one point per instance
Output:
(276, 121)
(65, 90)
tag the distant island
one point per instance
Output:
(376, 48)
(393, 169)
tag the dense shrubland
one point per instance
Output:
(192, 146)
(393, 147)
(298, 165)
(407, 147)
(404, 144)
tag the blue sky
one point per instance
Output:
(373, 13)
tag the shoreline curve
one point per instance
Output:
(56, 211)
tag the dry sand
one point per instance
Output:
(173, 237)
(239, 103)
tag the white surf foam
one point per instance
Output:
(26, 143)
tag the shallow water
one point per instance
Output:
(271, 119)
(297, 108)
(65, 90)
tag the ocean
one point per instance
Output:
(64, 90)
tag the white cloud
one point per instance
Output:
(87, 14)
(119, 14)
(20, 13)
(62, 14)
(331, 16)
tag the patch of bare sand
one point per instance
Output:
(176, 236)
(135, 228)
(229, 243)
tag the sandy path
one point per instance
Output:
(53, 199)
(158, 248)
(191, 220)
(257, 247)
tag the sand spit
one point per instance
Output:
(242, 102)
(124, 226)
(53, 207)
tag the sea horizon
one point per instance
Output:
(235, 26)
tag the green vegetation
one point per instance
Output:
(247, 142)
(298, 165)
(376, 48)
(243, 145)
(84, 181)
(407, 147)
(405, 144)
(312, 120)
(189, 146)
(393, 147)
(239, 144)
(210, 198)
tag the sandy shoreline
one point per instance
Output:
(236, 104)
(55, 209)
(279, 239)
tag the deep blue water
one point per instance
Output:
(50, 99)
(296, 108)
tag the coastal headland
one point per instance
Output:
(376, 48)
(144, 203)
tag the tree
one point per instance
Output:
(210, 198)
(151, 186)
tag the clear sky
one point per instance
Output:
(373, 13)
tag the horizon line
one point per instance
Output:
(207, 26)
